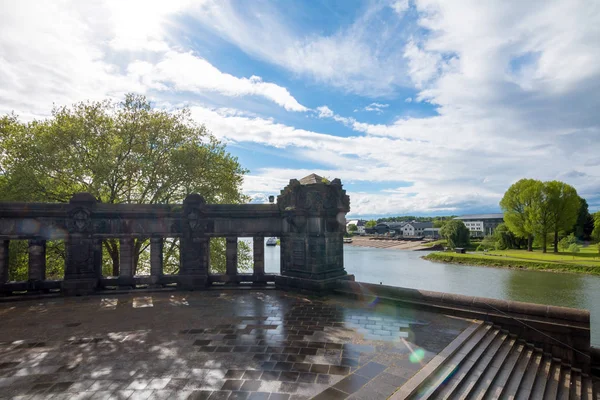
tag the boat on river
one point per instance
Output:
(347, 240)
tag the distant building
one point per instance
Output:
(416, 228)
(360, 224)
(481, 224)
(392, 228)
(433, 233)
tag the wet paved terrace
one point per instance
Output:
(217, 344)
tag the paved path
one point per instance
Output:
(236, 344)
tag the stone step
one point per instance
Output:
(541, 380)
(564, 386)
(522, 389)
(467, 369)
(524, 372)
(497, 365)
(427, 387)
(551, 391)
(507, 369)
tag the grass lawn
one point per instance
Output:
(586, 261)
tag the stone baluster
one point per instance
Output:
(259, 259)
(156, 260)
(231, 254)
(4, 261)
(126, 260)
(37, 263)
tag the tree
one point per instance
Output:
(585, 221)
(596, 230)
(370, 223)
(519, 206)
(573, 249)
(566, 242)
(563, 202)
(352, 228)
(456, 233)
(119, 152)
(504, 238)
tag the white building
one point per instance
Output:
(481, 224)
(416, 228)
(360, 224)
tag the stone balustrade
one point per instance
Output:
(309, 219)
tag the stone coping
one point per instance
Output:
(563, 315)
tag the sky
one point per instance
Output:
(420, 107)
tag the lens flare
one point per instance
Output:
(417, 356)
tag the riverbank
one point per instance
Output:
(514, 260)
(414, 245)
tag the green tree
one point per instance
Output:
(504, 238)
(596, 230)
(456, 233)
(573, 249)
(519, 205)
(370, 223)
(566, 242)
(585, 221)
(563, 202)
(352, 228)
(124, 152)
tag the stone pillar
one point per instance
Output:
(195, 252)
(156, 260)
(98, 258)
(312, 249)
(81, 266)
(37, 261)
(231, 255)
(126, 262)
(4, 261)
(259, 259)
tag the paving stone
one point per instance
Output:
(196, 344)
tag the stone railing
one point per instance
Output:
(308, 218)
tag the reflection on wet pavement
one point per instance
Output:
(235, 344)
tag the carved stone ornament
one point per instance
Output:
(80, 220)
(193, 219)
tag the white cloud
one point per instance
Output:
(60, 53)
(400, 6)
(187, 72)
(408, 100)
(351, 58)
(324, 112)
(376, 107)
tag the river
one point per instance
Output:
(407, 269)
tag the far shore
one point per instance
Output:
(548, 263)
(414, 245)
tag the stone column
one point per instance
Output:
(259, 259)
(37, 263)
(313, 212)
(156, 260)
(126, 260)
(195, 252)
(4, 261)
(98, 257)
(231, 254)
(81, 266)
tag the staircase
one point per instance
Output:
(486, 362)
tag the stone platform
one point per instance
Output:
(216, 344)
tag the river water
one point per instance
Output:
(407, 269)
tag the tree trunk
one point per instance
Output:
(556, 240)
(113, 251)
(544, 242)
(530, 243)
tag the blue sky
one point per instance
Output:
(421, 107)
